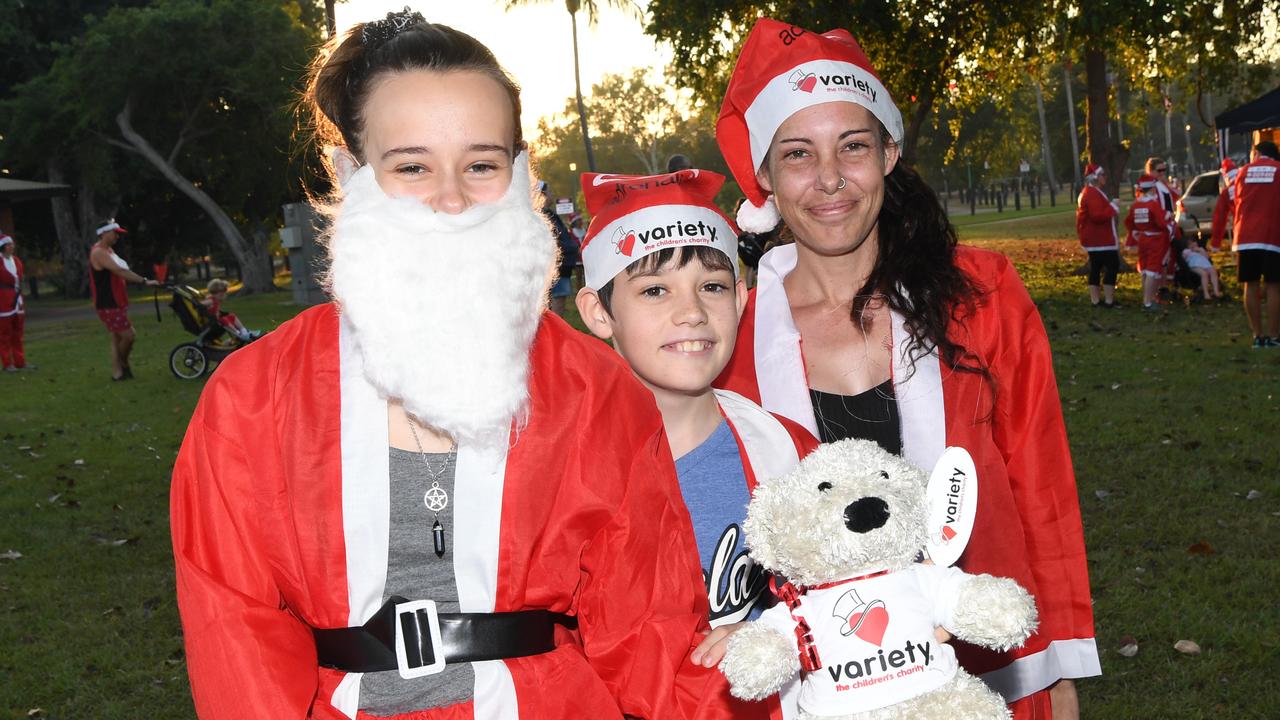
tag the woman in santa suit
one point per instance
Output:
(431, 499)
(12, 312)
(875, 324)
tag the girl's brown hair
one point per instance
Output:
(344, 73)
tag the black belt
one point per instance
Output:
(416, 640)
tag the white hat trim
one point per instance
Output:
(650, 229)
(108, 227)
(5, 239)
(813, 83)
(758, 218)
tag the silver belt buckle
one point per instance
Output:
(432, 630)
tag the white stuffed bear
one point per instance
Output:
(845, 527)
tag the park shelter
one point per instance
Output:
(1259, 117)
(16, 191)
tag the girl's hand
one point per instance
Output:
(711, 650)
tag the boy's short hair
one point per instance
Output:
(1267, 148)
(218, 285)
(709, 257)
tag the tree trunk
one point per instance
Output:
(1102, 149)
(252, 257)
(911, 134)
(330, 21)
(75, 234)
(577, 84)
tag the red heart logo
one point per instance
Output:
(807, 84)
(627, 244)
(947, 533)
(870, 626)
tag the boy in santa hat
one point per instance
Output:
(1223, 209)
(1096, 227)
(1148, 225)
(662, 284)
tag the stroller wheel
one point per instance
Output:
(188, 361)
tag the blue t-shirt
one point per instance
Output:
(715, 491)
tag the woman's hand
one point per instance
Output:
(711, 650)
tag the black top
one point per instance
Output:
(104, 296)
(869, 415)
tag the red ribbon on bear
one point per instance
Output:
(790, 594)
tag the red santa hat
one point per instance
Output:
(1147, 182)
(782, 70)
(635, 215)
(1229, 169)
(5, 239)
(110, 225)
(1091, 171)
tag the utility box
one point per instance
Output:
(300, 235)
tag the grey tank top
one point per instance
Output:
(414, 572)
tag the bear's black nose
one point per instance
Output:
(866, 514)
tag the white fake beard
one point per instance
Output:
(444, 308)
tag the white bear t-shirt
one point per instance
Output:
(875, 639)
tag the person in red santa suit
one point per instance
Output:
(1225, 207)
(875, 324)
(431, 498)
(1255, 237)
(1158, 168)
(1096, 227)
(662, 285)
(1148, 231)
(12, 312)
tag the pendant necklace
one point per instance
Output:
(436, 498)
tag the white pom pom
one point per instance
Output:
(758, 218)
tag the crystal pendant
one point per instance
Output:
(437, 535)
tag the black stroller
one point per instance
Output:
(213, 343)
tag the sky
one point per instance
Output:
(534, 43)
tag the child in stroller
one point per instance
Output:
(1194, 270)
(217, 295)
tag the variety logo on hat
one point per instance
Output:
(642, 214)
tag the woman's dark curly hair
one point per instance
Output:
(916, 273)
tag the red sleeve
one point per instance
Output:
(642, 611)
(1221, 211)
(1032, 438)
(245, 654)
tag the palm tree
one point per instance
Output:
(592, 9)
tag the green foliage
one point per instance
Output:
(211, 84)
(636, 125)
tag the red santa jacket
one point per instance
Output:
(1096, 220)
(1257, 206)
(1223, 209)
(1147, 218)
(280, 523)
(1028, 517)
(11, 288)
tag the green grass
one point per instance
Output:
(1172, 417)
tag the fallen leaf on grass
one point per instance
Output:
(1128, 646)
(1191, 445)
(10, 555)
(115, 542)
(1115, 386)
(78, 461)
(24, 448)
(1102, 494)
(1253, 495)
(1201, 548)
(1187, 647)
(35, 712)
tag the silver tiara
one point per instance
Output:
(374, 34)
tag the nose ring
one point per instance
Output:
(840, 185)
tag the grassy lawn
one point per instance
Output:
(1173, 420)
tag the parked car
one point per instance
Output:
(1195, 209)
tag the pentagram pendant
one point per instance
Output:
(437, 535)
(436, 499)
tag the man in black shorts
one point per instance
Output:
(1256, 239)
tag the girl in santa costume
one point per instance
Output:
(662, 284)
(1096, 227)
(1148, 232)
(12, 312)
(432, 499)
(875, 324)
